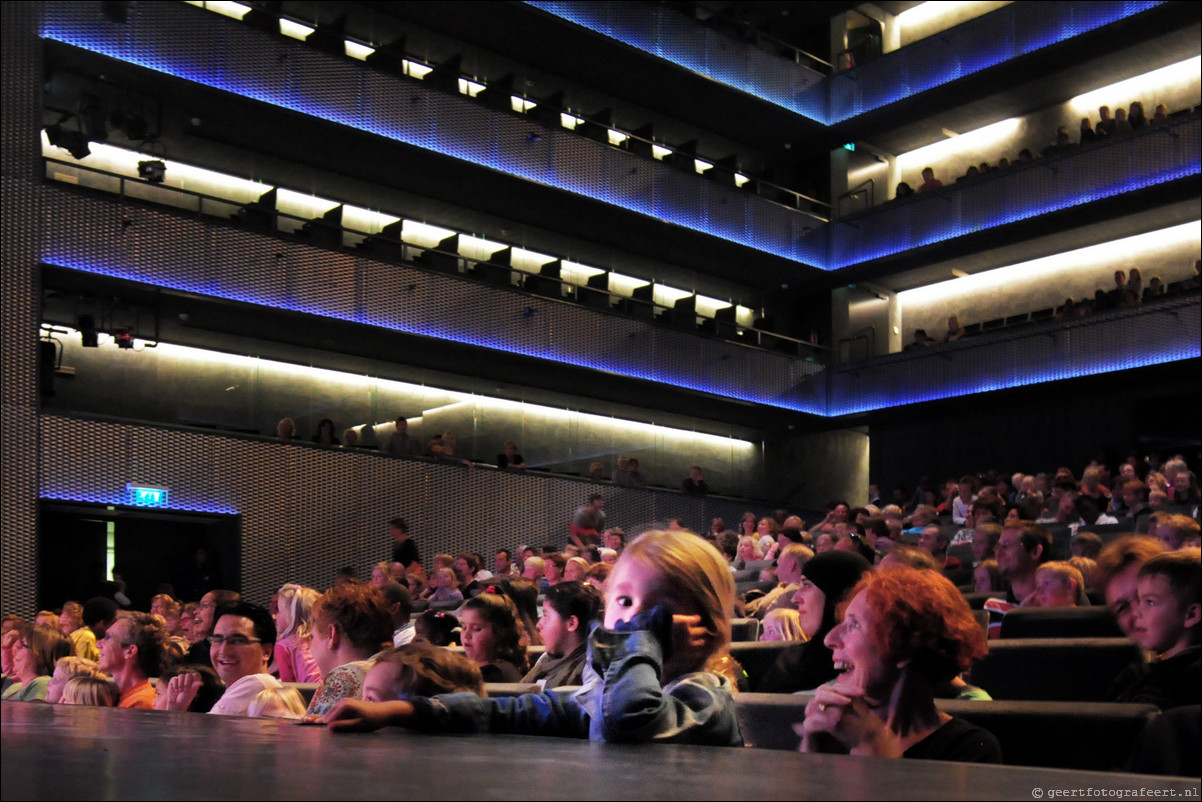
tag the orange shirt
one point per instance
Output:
(140, 696)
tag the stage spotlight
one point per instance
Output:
(153, 171)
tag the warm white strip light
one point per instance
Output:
(226, 9)
(570, 121)
(475, 248)
(423, 235)
(740, 179)
(338, 382)
(668, 296)
(659, 152)
(365, 220)
(617, 137)
(981, 139)
(1150, 86)
(303, 206)
(417, 70)
(940, 15)
(357, 50)
(521, 104)
(123, 161)
(701, 166)
(294, 29)
(470, 88)
(208, 182)
(576, 273)
(529, 261)
(625, 285)
(1098, 260)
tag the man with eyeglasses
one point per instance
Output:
(131, 652)
(242, 643)
(1021, 549)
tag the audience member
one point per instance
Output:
(420, 669)
(35, 652)
(91, 691)
(903, 634)
(325, 433)
(694, 484)
(929, 181)
(294, 632)
(491, 637)
(1118, 576)
(131, 652)
(243, 641)
(588, 522)
(511, 458)
(400, 443)
(569, 609)
(624, 702)
(350, 625)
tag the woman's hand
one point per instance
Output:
(845, 714)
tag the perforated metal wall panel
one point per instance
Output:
(285, 73)
(1118, 340)
(20, 117)
(166, 248)
(307, 511)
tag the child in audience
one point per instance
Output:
(1057, 584)
(444, 586)
(660, 663)
(293, 659)
(492, 639)
(420, 669)
(781, 624)
(286, 703)
(1168, 623)
(67, 668)
(986, 578)
(436, 627)
(92, 691)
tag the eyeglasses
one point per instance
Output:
(112, 637)
(232, 640)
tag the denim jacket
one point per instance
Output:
(621, 702)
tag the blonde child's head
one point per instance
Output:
(66, 668)
(295, 604)
(687, 575)
(783, 624)
(92, 691)
(1058, 584)
(277, 703)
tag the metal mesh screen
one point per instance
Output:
(163, 248)
(20, 54)
(307, 511)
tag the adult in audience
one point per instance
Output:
(588, 522)
(510, 458)
(35, 651)
(326, 433)
(242, 644)
(929, 181)
(935, 540)
(825, 581)
(83, 640)
(400, 610)
(1174, 531)
(694, 484)
(503, 567)
(350, 626)
(788, 573)
(404, 550)
(903, 634)
(399, 443)
(203, 620)
(132, 652)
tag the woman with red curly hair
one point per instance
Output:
(904, 633)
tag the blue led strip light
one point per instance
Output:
(671, 197)
(158, 38)
(118, 497)
(632, 366)
(976, 45)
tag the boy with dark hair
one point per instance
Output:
(569, 609)
(1168, 623)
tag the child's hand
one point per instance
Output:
(690, 640)
(182, 689)
(353, 715)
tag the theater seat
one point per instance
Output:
(744, 629)
(1067, 735)
(757, 657)
(1053, 669)
(1060, 622)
